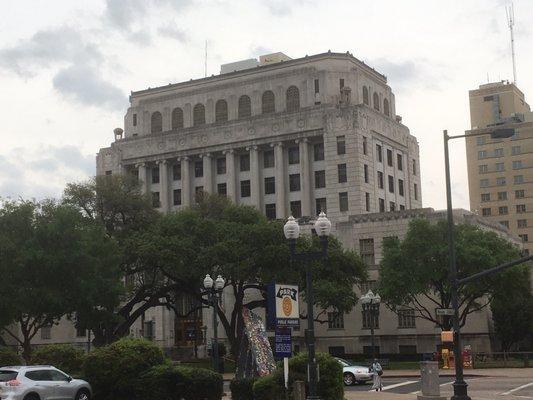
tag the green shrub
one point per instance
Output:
(9, 357)
(114, 370)
(268, 388)
(67, 358)
(203, 384)
(242, 389)
(162, 382)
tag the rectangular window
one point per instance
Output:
(486, 211)
(294, 155)
(320, 205)
(485, 197)
(381, 205)
(391, 184)
(367, 201)
(318, 150)
(198, 169)
(389, 157)
(81, 332)
(517, 164)
(270, 185)
(480, 140)
(364, 145)
(483, 169)
(366, 250)
(399, 162)
(502, 196)
(198, 191)
(483, 183)
(505, 223)
(500, 181)
(335, 320)
(296, 209)
(518, 179)
(481, 154)
(270, 211)
(515, 150)
(379, 153)
(519, 194)
(317, 87)
(498, 152)
(488, 98)
(109, 172)
(320, 179)
(392, 206)
(402, 207)
(341, 145)
(524, 237)
(521, 223)
(46, 332)
(294, 182)
(176, 172)
(222, 189)
(155, 175)
(520, 208)
(341, 170)
(343, 201)
(221, 166)
(400, 187)
(406, 319)
(268, 159)
(503, 210)
(500, 167)
(244, 161)
(341, 83)
(416, 191)
(414, 167)
(134, 119)
(155, 200)
(380, 179)
(176, 197)
(245, 188)
(370, 320)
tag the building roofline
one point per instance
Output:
(260, 68)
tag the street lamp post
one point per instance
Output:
(292, 232)
(214, 289)
(370, 303)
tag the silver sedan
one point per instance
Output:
(352, 374)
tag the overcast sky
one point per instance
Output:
(67, 67)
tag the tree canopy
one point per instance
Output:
(414, 271)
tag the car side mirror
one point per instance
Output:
(69, 378)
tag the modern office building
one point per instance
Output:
(500, 171)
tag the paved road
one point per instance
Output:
(520, 388)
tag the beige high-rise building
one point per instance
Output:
(500, 171)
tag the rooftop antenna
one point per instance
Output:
(205, 63)
(509, 11)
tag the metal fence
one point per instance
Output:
(503, 360)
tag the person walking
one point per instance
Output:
(377, 372)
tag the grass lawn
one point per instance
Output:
(229, 365)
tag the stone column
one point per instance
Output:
(208, 172)
(230, 175)
(305, 177)
(185, 181)
(163, 184)
(279, 165)
(143, 177)
(255, 187)
(166, 119)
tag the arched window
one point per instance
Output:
(267, 102)
(376, 101)
(198, 115)
(293, 99)
(386, 110)
(365, 96)
(177, 118)
(221, 111)
(156, 122)
(245, 107)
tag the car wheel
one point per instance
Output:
(348, 379)
(83, 394)
(32, 397)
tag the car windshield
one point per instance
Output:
(345, 363)
(6, 376)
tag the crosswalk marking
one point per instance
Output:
(395, 385)
(516, 389)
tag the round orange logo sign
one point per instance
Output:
(287, 306)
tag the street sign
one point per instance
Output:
(283, 307)
(283, 342)
(444, 311)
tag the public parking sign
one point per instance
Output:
(283, 342)
(283, 307)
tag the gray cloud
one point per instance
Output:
(140, 37)
(282, 8)
(172, 31)
(84, 84)
(408, 73)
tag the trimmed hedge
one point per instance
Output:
(330, 386)
(114, 370)
(65, 357)
(9, 357)
(242, 389)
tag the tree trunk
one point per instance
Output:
(26, 349)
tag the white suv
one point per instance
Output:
(41, 382)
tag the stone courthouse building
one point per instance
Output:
(289, 137)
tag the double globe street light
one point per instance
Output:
(214, 290)
(370, 303)
(291, 230)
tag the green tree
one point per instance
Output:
(512, 311)
(414, 271)
(238, 242)
(53, 263)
